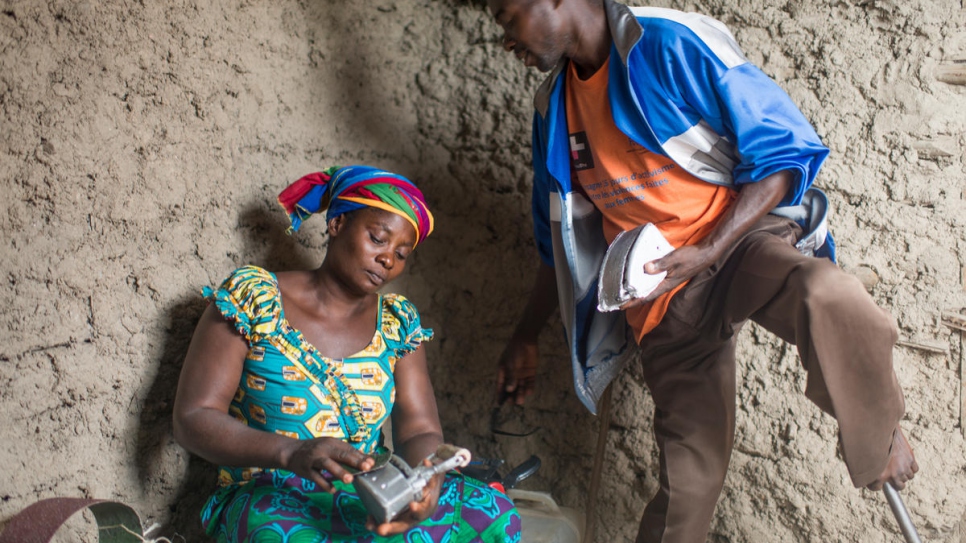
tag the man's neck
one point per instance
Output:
(593, 39)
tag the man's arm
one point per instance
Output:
(704, 72)
(753, 202)
(518, 364)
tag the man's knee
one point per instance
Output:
(828, 291)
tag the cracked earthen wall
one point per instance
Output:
(142, 145)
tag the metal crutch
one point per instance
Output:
(901, 514)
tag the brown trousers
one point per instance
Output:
(845, 342)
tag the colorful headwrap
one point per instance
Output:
(339, 190)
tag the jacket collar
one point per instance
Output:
(624, 30)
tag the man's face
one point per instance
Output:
(532, 30)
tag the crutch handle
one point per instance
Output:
(901, 514)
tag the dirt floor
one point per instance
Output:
(142, 145)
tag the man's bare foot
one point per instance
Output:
(902, 464)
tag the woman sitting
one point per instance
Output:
(290, 376)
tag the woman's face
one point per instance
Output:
(370, 246)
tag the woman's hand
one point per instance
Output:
(417, 512)
(311, 457)
(417, 435)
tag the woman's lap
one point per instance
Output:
(280, 507)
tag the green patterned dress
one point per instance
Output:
(289, 388)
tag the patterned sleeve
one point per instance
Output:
(401, 325)
(249, 298)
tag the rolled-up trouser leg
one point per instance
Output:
(844, 339)
(845, 342)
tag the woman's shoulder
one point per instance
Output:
(246, 278)
(398, 303)
(249, 297)
(250, 278)
(401, 321)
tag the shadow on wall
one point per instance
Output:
(359, 92)
(265, 244)
(155, 433)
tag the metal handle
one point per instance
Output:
(450, 457)
(521, 472)
(901, 514)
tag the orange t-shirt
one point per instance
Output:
(632, 186)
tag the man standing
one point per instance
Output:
(652, 115)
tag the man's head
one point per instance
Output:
(536, 31)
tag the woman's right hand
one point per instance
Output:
(309, 458)
(417, 512)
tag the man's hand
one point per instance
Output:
(753, 201)
(517, 368)
(517, 372)
(309, 458)
(681, 265)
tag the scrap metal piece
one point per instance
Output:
(387, 492)
(622, 276)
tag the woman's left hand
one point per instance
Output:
(418, 510)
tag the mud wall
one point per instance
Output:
(142, 145)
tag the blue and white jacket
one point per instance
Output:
(680, 86)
